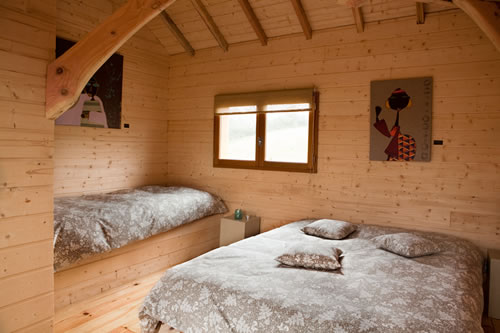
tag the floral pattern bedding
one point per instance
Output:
(242, 288)
(93, 224)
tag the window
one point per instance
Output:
(272, 130)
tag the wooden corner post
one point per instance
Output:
(68, 74)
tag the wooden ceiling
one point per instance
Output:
(193, 24)
(190, 25)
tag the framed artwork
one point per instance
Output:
(100, 102)
(401, 119)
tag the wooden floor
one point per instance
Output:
(113, 311)
(116, 311)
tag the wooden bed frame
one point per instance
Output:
(99, 273)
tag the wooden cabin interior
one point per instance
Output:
(177, 56)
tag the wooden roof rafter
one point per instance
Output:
(254, 21)
(357, 14)
(486, 14)
(358, 19)
(210, 23)
(301, 15)
(177, 33)
(420, 12)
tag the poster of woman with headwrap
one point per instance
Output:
(400, 117)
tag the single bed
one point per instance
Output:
(93, 224)
(241, 288)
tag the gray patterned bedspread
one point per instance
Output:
(241, 288)
(92, 224)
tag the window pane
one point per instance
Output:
(287, 135)
(283, 107)
(237, 137)
(237, 109)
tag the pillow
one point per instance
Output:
(406, 244)
(331, 229)
(317, 256)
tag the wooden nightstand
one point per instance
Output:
(494, 294)
(232, 230)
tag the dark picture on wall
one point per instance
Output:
(400, 118)
(100, 101)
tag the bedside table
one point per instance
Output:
(494, 295)
(232, 230)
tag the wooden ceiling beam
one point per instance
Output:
(177, 33)
(209, 22)
(420, 13)
(358, 18)
(68, 74)
(486, 14)
(301, 15)
(254, 21)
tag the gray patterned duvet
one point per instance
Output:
(92, 224)
(241, 288)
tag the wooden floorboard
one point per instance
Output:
(116, 311)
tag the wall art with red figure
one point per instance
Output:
(401, 119)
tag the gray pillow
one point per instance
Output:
(331, 229)
(318, 256)
(406, 244)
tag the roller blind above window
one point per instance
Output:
(270, 130)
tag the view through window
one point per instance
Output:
(273, 130)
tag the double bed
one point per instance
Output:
(242, 288)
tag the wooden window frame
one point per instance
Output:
(260, 163)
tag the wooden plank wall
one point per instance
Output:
(457, 193)
(90, 160)
(27, 41)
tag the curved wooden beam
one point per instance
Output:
(486, 14)
(358, 19)
(68, 74)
